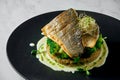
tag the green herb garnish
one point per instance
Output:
(84, 71)
(34, 52)
(87, 73)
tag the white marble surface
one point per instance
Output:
(14, 12)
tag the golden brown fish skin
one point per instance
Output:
(62, 30)
(60, 22)
(71, 38)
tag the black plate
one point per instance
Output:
(19, 51)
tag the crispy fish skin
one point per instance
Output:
(59, 22)
(72, 39)
(62, 29)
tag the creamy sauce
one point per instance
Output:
(31, 44)
(45, 59)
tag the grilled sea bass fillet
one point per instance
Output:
(66, 31)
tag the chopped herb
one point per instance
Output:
(87, 72)
(34, 52)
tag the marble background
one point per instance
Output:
(14, 12)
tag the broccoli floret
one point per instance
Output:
(54, 47)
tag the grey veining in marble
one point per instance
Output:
(14, 12)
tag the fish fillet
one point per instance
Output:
(65, 31)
